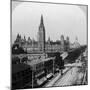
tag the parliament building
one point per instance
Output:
(41, 44)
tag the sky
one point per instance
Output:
(59, 19)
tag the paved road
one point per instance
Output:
(56, 77)
(72, 77)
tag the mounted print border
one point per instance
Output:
(49, 44)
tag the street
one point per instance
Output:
(71, 76)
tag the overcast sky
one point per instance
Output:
(69, 20)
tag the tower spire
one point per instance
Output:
(41, 35)
(76, 38)
(41, 20)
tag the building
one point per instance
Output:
(62, 43)
(41, 45)
(21, 76)
(75, 44)
(18, 40)
(67, 44)
(41, 35)
(29, 40)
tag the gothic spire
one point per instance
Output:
(76, 38)
(41, 20)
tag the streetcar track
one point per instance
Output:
(62, 76)
(58, 78)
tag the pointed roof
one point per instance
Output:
(62, 37)
(41, 20)
(49, 38)
(24, 38)
(18, 35)
(29, 38)
(76, 38)
(67, 38)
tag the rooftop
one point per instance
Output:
(34, 62)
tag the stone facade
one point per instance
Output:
(41, 36)
(41, 44)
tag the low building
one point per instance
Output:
(21, 76)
